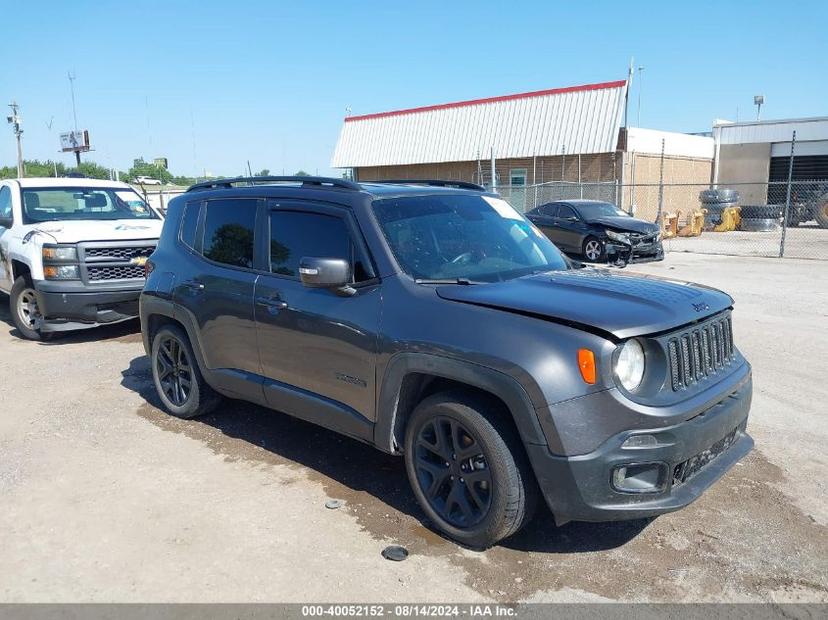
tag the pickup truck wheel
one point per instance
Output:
(178, 380)
(24, 309)
(468, 469)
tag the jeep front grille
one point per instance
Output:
(700, 352)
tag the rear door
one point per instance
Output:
(314, 340)
(216, 281)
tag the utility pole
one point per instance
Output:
(74, 110)
(14, 120)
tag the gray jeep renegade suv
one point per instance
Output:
(432, 320)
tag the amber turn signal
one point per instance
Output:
(586, 364)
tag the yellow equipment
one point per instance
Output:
(694, 225)
(669, 224)
(731, 218)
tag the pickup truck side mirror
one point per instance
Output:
(5, 222)
(330, 273)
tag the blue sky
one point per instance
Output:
(212, 84)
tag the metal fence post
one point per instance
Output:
(787, 197)
(661, 184)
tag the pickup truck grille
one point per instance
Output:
(110, 261)
(700, 352)
(118, 254)
(121, 272)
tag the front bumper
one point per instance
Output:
(71, 305)
(642, 253)
(579, 488)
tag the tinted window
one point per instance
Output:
(189, 223)
(296, 234)
(228, 232)
(5, 202)
(550, 210)
(565, 212)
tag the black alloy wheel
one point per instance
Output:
(175, 372)
(452, 472)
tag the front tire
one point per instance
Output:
(468, 470)
(24, 309)
(593, 250)
(177, 377)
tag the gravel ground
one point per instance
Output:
(106, 498)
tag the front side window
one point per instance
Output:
(5, 202)
(228, 232)
(567, 213)
(298, 234)
(83, 203)
(476, 237)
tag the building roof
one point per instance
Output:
(577, 119)
(752, 132)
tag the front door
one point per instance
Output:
(5, 236)
(569, 229)
(315, 342)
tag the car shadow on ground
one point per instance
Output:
(130, 329)
(278, 438)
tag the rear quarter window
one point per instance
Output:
(189, 224)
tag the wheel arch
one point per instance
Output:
(411, 377)
(19, 268)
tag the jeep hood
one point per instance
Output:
(73, 231)
(620, 304)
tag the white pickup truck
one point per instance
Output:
(72, 252)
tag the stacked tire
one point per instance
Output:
(761, 218)
(715, 201)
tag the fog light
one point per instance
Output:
(640, 441)
(640, 477)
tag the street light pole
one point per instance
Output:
(640, 85)
(14, 120)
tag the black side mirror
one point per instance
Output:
(331, 273)
(5, 222)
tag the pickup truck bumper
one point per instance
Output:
(66, 306)
(660, 469)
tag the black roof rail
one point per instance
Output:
(435, 183)
(305, 181)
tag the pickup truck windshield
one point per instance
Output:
(470, 237)
(50, 204)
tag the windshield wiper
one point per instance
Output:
(463, 281)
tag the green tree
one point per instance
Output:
(143, 168)
(301, 173)
(264, 172)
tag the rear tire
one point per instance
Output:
(468, 469)
(177, 377)
(24, 309)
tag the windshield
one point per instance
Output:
(600, 209)
(464, 236)
(83, 203)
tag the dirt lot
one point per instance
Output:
(106, 498)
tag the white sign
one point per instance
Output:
(75, 140)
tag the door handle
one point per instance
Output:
(194, 284)
(273, 304)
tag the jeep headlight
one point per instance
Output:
(616, 236)
(629, 365)
(61, 253)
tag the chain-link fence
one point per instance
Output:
(744, 219)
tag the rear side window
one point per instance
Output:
(228, 232)
(189, 224)
(5, 202)
(297, 234)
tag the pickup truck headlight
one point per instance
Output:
(616, 236)
(61, 253)
(61, 272)
(629, 365)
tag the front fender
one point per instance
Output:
(499, 384)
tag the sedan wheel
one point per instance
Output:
(593, 249)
